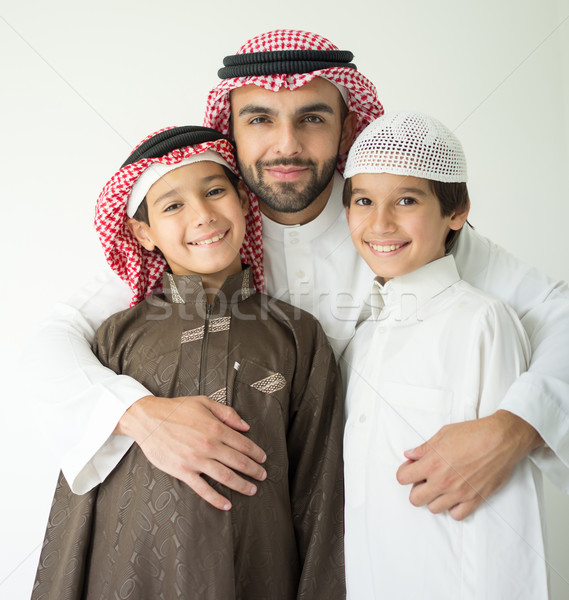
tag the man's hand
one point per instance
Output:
(193, 435)
(465, 463)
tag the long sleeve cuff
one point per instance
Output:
(531, 403)
(97, 453)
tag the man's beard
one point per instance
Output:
(287, 197)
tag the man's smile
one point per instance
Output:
(286, 173)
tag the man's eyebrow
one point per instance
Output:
(256, 109)
(318, 107)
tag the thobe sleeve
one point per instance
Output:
(78, 401)
(540, 395)
(316, 476)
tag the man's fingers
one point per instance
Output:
(437, 501)
(230, 479)
(224, 430)
(418, 452)
(248, 451)
(464, 463)
(458, 497)
(190, 436)
(410, 472)
(234, 459)
(202, 488)
(228, 415)
(464, 509)
(422, 494)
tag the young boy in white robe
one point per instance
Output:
(434, 351)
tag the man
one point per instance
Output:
(293, 116)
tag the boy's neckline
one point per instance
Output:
(423, 284)
(188, 289)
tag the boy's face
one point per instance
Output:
(197, 220)
(396, 222)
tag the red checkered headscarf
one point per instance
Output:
(141, 269)
(291, 48)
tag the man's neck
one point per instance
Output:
(302, 216)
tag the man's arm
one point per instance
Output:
(91, 415)
(535, 408)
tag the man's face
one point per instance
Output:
(288, 142)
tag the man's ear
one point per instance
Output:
(348, 132)
(141, 232)
(243, 197)
(458, 219)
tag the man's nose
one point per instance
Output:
(287, 141)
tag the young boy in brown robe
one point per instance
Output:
(142, 533)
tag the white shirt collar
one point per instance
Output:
(317, 226)
(420, 286)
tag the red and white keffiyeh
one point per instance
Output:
(141, 269)
(362, 99)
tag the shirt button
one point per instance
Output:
(363, 419)
(294, 241)
(300, 274)
(293, 233)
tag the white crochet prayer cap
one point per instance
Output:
(157, 170)
(408, 143)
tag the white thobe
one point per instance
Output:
(317, 268)
(435, 351)
(79, 402)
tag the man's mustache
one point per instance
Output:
(286, 162)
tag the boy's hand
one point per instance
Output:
(194, 435)
(465, 463)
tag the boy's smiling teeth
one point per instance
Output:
(389, 248)
(215, 238)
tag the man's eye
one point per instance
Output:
(407, 201)
(313, 119)
(363, 202)
(258, 120)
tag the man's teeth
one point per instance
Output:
(215, 238)
(385, 248)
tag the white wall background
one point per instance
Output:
(82, 82)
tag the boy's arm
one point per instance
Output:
(79, 404)
(535, 408)
(316, 477)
